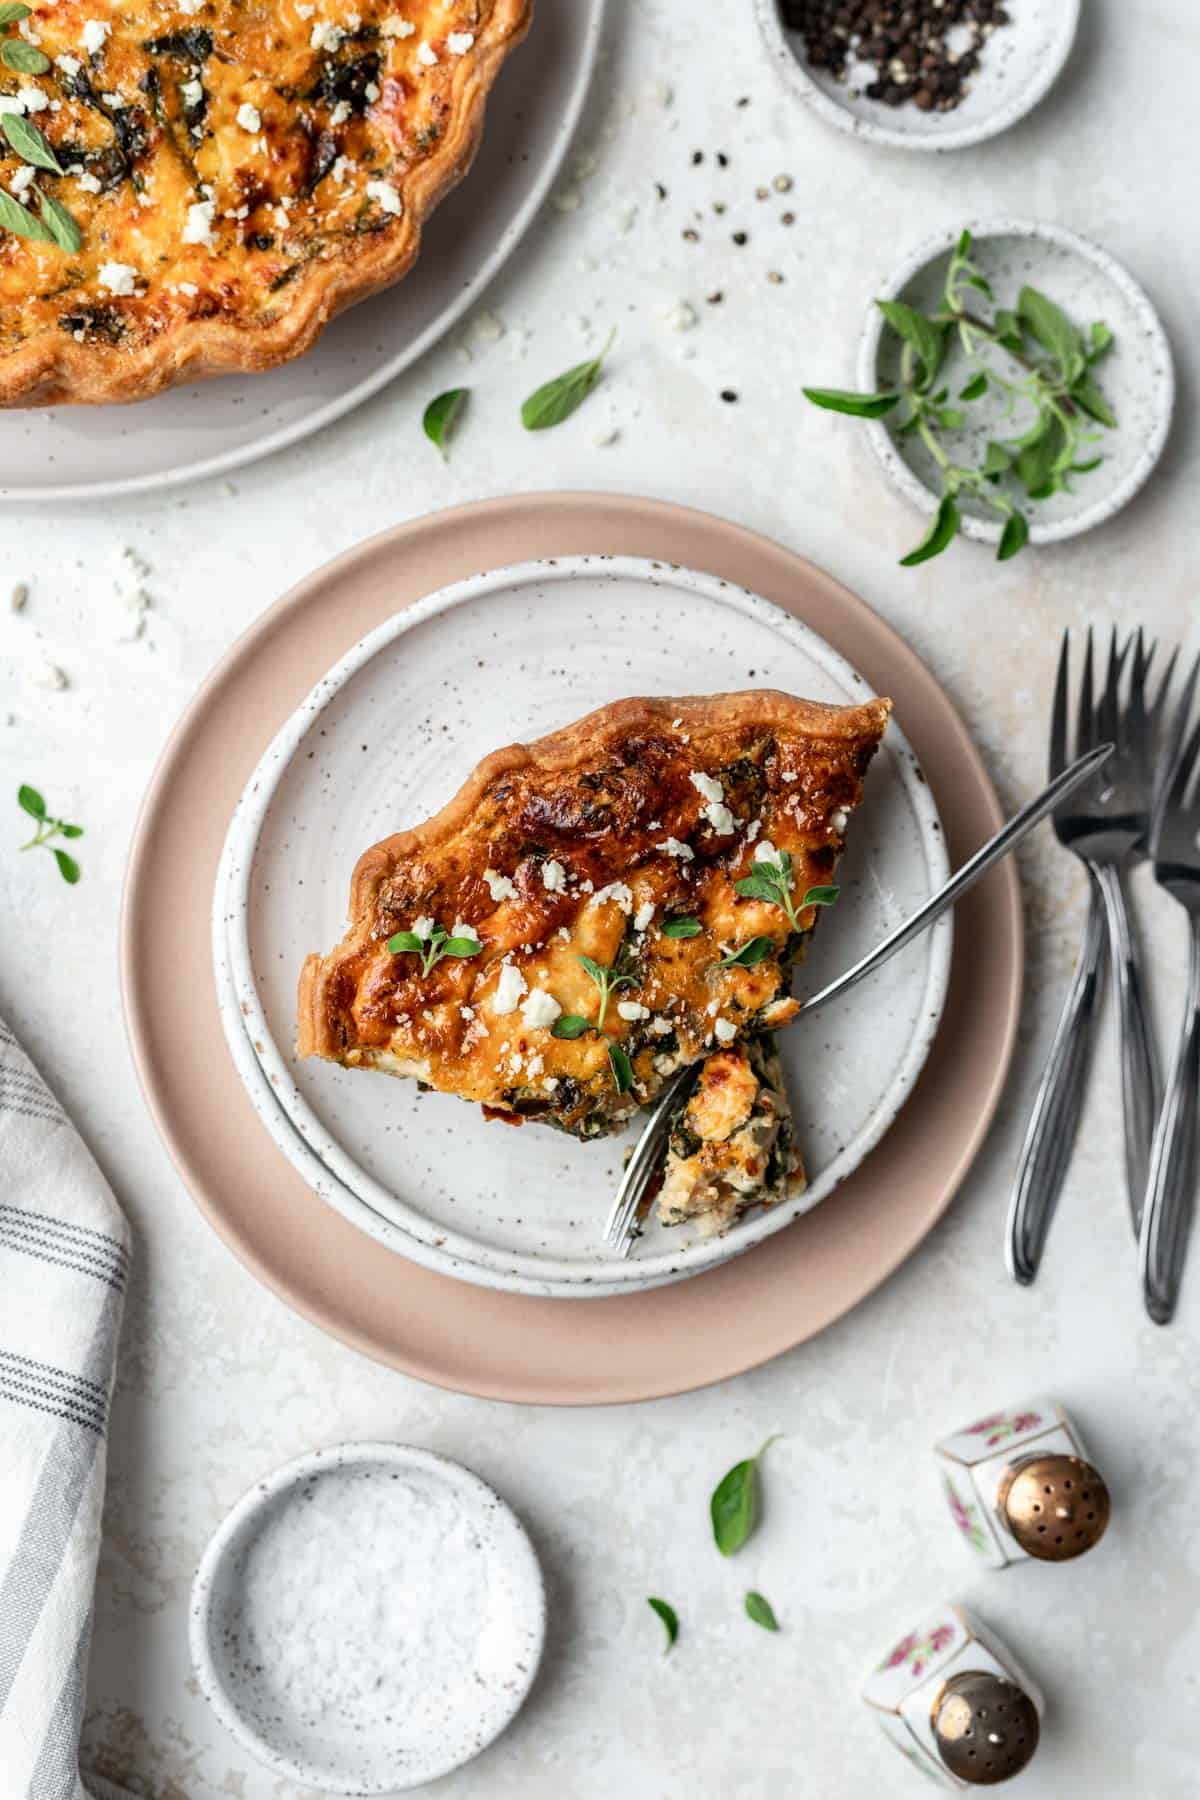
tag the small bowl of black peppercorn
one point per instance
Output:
(920, 74)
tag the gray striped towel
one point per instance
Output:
(64, 1260)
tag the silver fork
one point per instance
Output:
(1107, 830)
(1092, 827)
(1174, 1161)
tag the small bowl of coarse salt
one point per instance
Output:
(922, 75)
(367, 1618)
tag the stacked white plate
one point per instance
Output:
(382, 742)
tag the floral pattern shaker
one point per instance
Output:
(956, 1703)
(1019, 1485)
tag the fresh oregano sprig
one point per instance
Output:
(1032, 357)
(771, 880)
(31, 802)
(52, 224)
(607, 981)
(432, 945)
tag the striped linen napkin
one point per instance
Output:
(64, 1260)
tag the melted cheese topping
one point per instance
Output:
(215, 152)
(597, 862)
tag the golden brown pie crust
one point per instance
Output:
(296, 238)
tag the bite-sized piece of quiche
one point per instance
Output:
(198, 186)
(731, 1145)
(593, 911)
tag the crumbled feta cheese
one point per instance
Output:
(94, 35)
(326, 36)
(372, 92)
(303, 11)
(725, 1031)
(189, 288)
(33, 99)
(510, 985)
(466, 1012)
(342, 170)
(113, 100)
(459, 42)
(395, 27)
(422, 927)
(461, 929)
(500, 887)
(22, 181)
(660, 1026)
(198, 227)
(386, 194)
(540, 1009)
(70, 65)
(189, 6)
(673, 847)
(619, 893)
(632, 1009)
(340, 113)
(766, 852)
(554, 877)
(753, 829)
(10, 104)
(191, 92)
(839, 819)
(643, 915)
(534, 1066)
(789, 775)
(707, 785)
(117, 278)
(249, 117)
(719, 817)
(427, 55)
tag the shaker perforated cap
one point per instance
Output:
(986, 1728)
(1056, 1506)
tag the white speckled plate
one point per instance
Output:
(1136, 376)
(1019, 65)
(313, 1623)
(211, 427)
(384, 741)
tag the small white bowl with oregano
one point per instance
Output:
(1016, 382)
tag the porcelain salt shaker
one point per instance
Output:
(956, 1703)
(1019, 1485)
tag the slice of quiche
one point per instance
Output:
(595, 910)
(731, 1145)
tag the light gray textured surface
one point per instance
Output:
(219, 1383)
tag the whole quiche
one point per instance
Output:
(194, 187)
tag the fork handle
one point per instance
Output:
(1174, 1162)
(1050, 1135)
(1140, 1085)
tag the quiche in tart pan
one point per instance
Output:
(195, 187)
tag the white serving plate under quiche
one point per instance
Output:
(384, 741)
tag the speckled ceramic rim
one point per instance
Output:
(472, 1339)
(523, 1567)
(984, 531)
(469, 294)
(549, 1276)
(960, 137)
